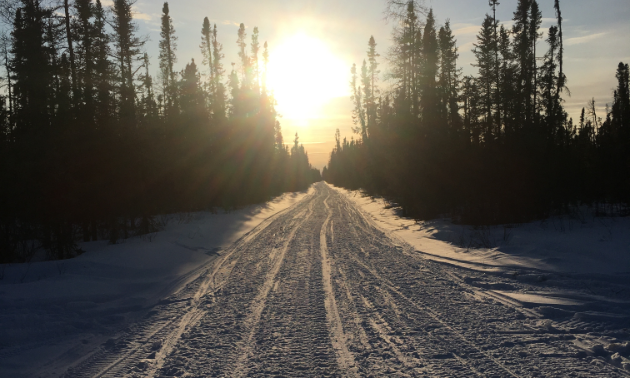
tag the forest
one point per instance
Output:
(93, 147)
(494, 148)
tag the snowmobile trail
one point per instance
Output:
(344, 357)
(319, 290)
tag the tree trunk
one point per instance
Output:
(73, 69)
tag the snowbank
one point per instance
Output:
(561, 245)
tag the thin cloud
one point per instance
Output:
(137, 15)
(473, 29)
(466, 29)
(229, 22)
(584, 39)
(142, 16)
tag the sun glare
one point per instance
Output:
(304, 75)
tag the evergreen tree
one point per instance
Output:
(192, 104)
(82, 147)
(562, 79)
(525, 60)
(219, 102)
(621, 103)
(507, 92)
(497, 66)
(168, 46)
(372, 92)
(32, 72)
(255, 48)
(358, 113)
(127, 51)
(535, 22)
(84, 33)
(206, 52)
(484, 51)
(242, 54)
(149, 104)
(102, 69)
(73, 69)
(407, 62)
(548, 85)
(5, 47)
(429, 95)
(449, 78)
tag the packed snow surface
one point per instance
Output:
(325, 284)
(580, 243)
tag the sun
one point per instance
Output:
(303, 75)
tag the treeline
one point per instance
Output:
(92, 147)
(487, 149)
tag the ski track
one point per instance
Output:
(318, 290)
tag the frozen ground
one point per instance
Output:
(334, 285)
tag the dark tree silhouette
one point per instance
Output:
(497, 147)
(88, 151)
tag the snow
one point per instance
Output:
(48, 308)
(573, 269)
(583, 245)
(308, 285)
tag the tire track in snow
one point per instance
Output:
(338, 337)
(373, 308)
(208, 286)
(258, 305)
(385, 283)
(113, 362)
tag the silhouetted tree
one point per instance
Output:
(168, 46)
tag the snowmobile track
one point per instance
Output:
(319, 290)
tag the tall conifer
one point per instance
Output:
(168, 46)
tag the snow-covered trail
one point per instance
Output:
(319, 291)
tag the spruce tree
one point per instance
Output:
(562, 79)
(485, 53)
(507, 92)
(524, 59)
(102, 69)
(84, 32)
(497, 66)
(31, 69)
(621, 104)
(206, 52)
(406, 58)
(191, 97)
(255, 48)
(218, 102)
(167, 57)
(358, 113)
(535, 22)
(371, 95)
(242, 54)
(430, 54)
(5, 47)
(150, 110)
(449, 77)
(127, 51)
(70, 44)
(549, 81)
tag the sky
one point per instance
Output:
(315, 42)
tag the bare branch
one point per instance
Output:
(396, 10)
(7, 11)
